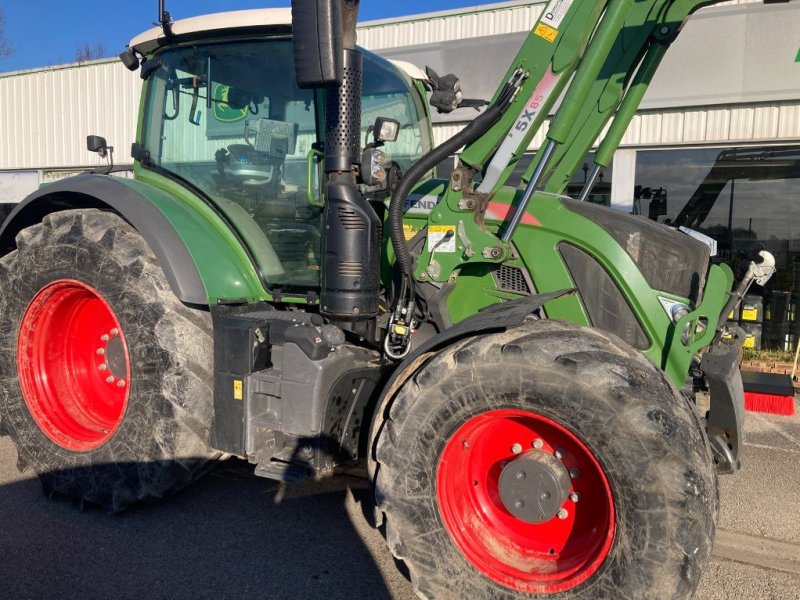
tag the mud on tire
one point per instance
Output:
(592, 387)
(160, 442)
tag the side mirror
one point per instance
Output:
(129, 59)
(96, 143)
(318, 48)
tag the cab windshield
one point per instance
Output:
(229, 119)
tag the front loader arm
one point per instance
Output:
(601, 56)
(587, 53)
(611, 51)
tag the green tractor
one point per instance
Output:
(542, 390)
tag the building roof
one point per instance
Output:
(239, 19)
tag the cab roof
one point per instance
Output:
(239, 20)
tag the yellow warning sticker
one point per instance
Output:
(546, 32)
(409, 231)
(442, 238)
(238, 389)
(749, 341)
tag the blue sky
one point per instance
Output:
(46, 32)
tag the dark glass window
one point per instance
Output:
(229, 119)
(747, 199)
(388, 93)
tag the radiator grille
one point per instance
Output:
(511, 279)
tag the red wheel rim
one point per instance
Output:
(543, 558)
(73, 365)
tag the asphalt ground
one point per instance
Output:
(235, 536)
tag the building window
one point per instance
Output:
(748, 199)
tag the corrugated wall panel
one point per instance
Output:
(694, 123)
(506, 17)
(672, 127)
(765, 121)
(491, 19)
(720, 125)
(650, 128)
(54, 110)
(789, 120)
(741, 124)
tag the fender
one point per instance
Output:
(492, 319)
(202, 259)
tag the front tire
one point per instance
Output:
(107, 379)
(613, 441)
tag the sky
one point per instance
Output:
(47, 32)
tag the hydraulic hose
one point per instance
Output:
(402, 322)
(470, 133)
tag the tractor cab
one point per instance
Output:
(224, 117)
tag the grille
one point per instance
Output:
(351, 269)
(343, 129)
(351, 220)
(511, 279)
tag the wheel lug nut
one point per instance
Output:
(537, 444)
(574, 496)
(115, 331)
(519, 504)
(102, 367)
(120, 383)
(109, 379)
(516, 448)
(574, 473)
(104, 337)
(559, 453)
(100, 351)
(563, 514)
(521, 475)
(545, 496)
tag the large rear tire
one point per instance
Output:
(107, 379)
(549, 461)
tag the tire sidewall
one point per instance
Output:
(640, 504)
(147, 421)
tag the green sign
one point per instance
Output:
(223, 112)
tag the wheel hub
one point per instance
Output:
(534, 486)
(525, 501)
(114, 353)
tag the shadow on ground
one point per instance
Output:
(230, 535)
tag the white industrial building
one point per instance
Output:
(726, 101)
(730, 79)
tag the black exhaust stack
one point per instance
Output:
(324, 34)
